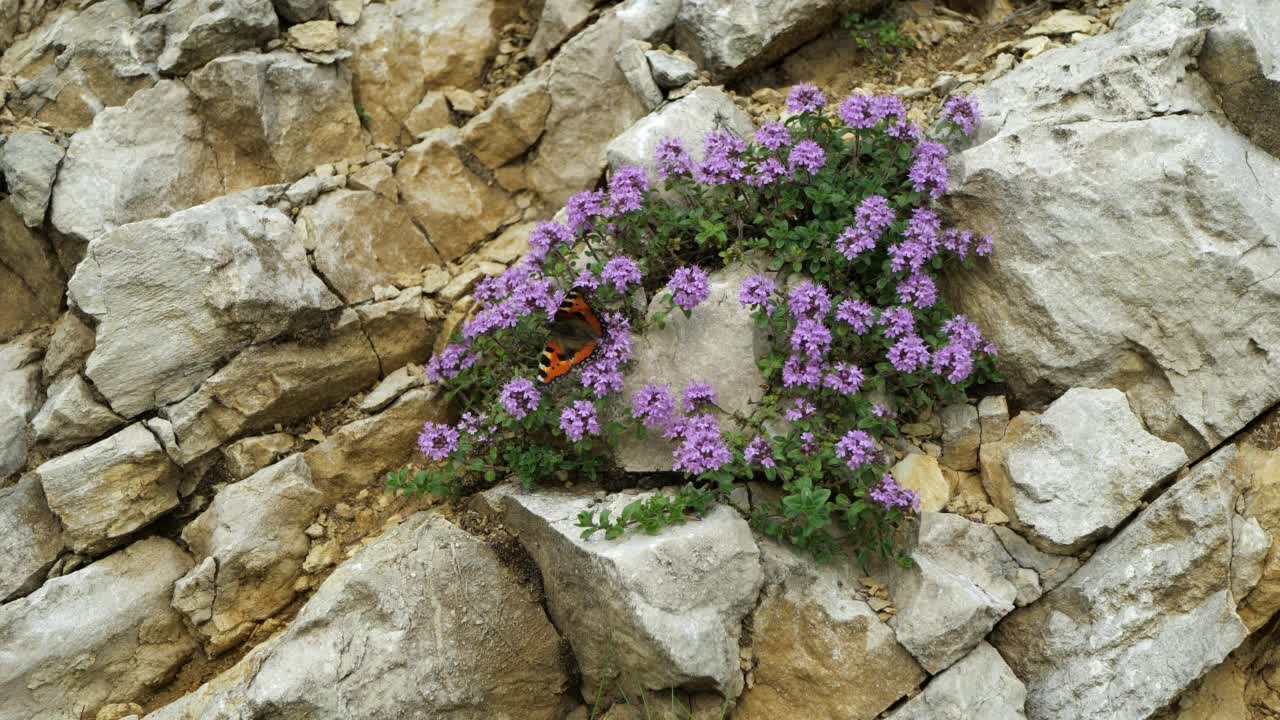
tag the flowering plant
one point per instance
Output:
(840, 205)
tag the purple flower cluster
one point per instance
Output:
(844, 378)
(857, 314)
(956, 358)
(897, 322)
(586, 280)
(807, 155)
(909, 354)
(653, 406)
(627, 189)
(702, 447)
(920, 241)
(477, 425)
(621, 272)
(919, 290)
(689, 286)
(579, 419)
(799, 410)
(698, 394)
(671, 158)
(773, 135)
(962, 111)
(812, 337)
(871, 219)
(801, 371)
(437, 440)
(805, 98)
(450, 362)
(582, 207)
(756, 291)
(889, 494)
(929, 168)
(856, 448)
(519, 397)
(767, 172)
(809, 300)
(548, 236)
(759, 452)
(721, 163)
(603, 375)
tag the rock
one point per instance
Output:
(1064, 22)
(1249, 547)
(377, 177)
(455, 207)
(643, 611)
(305, 191)
(105, 491)
(278, 116)
(671, 70)
(809, 631)
(393, 386)
(29, 161)
(173, 297)
(1068, 477)
(733, 38)
(358, 454)
(303, 11)
(979, 686)
(401, 330)
(1149, 613)
(462, 101)
(19, 400)
(246, 457)
(273, 384)
(103, 634)
(197, 31)
(403, 48)
(1240, 61)
(1033, 46)
(1051, 570)
(993, 416)
(31, 281)
(558, 21)
(1256, 477)
(922, 474)
(314, 36)
(1088, 322)
(961, 436)
(512, 124)
(635, 66)
(1003, 63)
(717, 344)
(959, 585)
(70, 344)
(253, 533)
(362, 239)
(346, 12)
(119, 711)
(30, 540)
(688, 119)
(72, 416)
(430, 114)
(426, 617)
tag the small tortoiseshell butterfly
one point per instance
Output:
(575, 334)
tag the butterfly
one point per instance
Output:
(575, 334)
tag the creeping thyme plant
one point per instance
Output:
(835, 205)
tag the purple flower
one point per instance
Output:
(919, 290)
(653, 406)
(541, 294)
(505, 315)
(963, 111)
(602, 378)
(579, 419)
(450, 362)
(586, 280)
(809, 299)
(800, 409)
(808, 443)
(856, 448)
(870, 221)
(547, 236)
(477, 426)
(897, 321)
(698, 394)
(920, 244)
(909, 354)
(985, 247)
(621, 272)
(963, 332)
(957, 241)
(767, 173)
(689, 286)
(844, 379)
(954, 359)
(720, 162)
(437, 440)
(856, 314)
(851, 244)
(773, 135)
(759, 452)
(880, 411)
(893, 496)
(807, 154)
(811, 337)
(702, 448)
(582, 207)
(801, 371)
(905, 130)
(929, 169)
(519, 397)
(672, 159)
(855, 111)
(616, 347)
(805, 98)
(756, 291)
(627, 188)
(886, 106)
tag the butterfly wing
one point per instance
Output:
(575, 334)
(555, 362)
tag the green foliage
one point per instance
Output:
(650, 514)
(876, 33)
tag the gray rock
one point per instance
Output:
(1051, 570)
(173, 297)
(246, 457)
(961, 436)
(72, 416)
(1069, 476)
(392, 386)
(1250, 544)
(30, 538)
(29, 161)
(688, 119)
(1146, 616)
(70, 344)
(31, 279)
(979, 686)
(19, 401)
(253, 533)
(993, 416)
(1241, 59)
(401, 330)
(671, 70)
(643, 611)
(103, 634)
(300, 11)
(635, 66)
(105, 491)
(197, 31)
(559, 20)
(426, 618)
(960, 583)
(1084, 312)
(512, 123)
(305, 191)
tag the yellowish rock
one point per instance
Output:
(922, 474)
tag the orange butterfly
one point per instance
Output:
(575, 334)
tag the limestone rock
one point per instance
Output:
(103, 634)
(70, 344)
(643, 611)
(635, 67)
(303, 11)
(808, 631)
(922, 474)
(197, 31)
(512, 124)
(377, 177)
(19, 401)
(362, 239)
(671, 70)
(72, 416)
(431, 113)
(688, 119)
(456, 207)
(393, 386)
(959, 585)
(1256, 476)
(253, 531)
(979, 686)
(993, 416)
(105, 491)
(1241, 60)
(401, 330)
(1249, 547)
(173, 297)
(31, 281)
(246, 457)
(1069, 476)
(30, 538)
(1150, 612)
(961, 436)
(29, 161)
(426, 617)
(1060, 144)
(1051, 570)
(559, 20)
(1064, 22)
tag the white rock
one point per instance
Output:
(392, 386)
(72, 415)
(29, 161)
(734, 37)
(1063, 22)
(1051, 570)
(559, 20)
(993, 416)
(1250, 544)
(30, 538)
(19, 401)
(70, 344)
(979, 686)
(671, 70)
(197, 31)
(1069, 476)
(635, 66)
(1241, 59)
